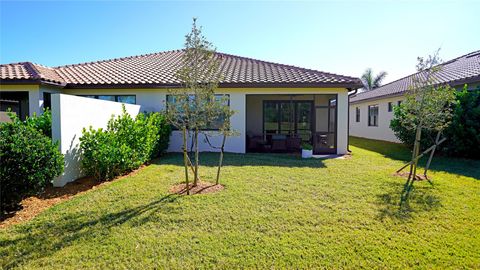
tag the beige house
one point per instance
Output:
(278, 107)
(371, 112)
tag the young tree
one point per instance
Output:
(427, 106)
(193, 107)
(222, 113)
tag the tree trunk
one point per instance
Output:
(185, 160)
(221, 159)
(416, 151)
(437, 141)
(195, 180)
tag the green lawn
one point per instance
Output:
(277, 211)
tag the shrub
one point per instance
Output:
(405, 135)
(29, 160)
(463, 133)
(162, 137)
(42, 123)
(124, 145)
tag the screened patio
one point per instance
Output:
(282, 123)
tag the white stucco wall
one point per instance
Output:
(150, 100)
(70, 114)
(380, 132)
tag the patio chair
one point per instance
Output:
(279, 142)
(255, 142)
(294, 143)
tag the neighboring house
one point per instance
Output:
(372, 111)
(273, 102)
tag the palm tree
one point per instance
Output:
(370, 81)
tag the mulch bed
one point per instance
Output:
(32, 206)
(200, 188)
(419, 177)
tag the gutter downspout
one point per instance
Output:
(348, 117)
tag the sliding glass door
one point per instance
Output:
(291, 118)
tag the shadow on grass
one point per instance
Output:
(400, 202)
(460, 166)
(42, 239)
(250, 159)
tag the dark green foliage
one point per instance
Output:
(29, 160)
(307, 146)
(42, 123)
(162, 138)
(124, 145)
(463, 133)
(405, 135)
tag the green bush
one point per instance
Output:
(407, 136)
(29, 160)
(124, 145)
(42, 123)
(463, 133)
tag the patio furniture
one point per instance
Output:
(255, 142)
(279, 142)
(294, 143)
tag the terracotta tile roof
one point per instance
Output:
(458, 71)
(159, 70)
(29, 71)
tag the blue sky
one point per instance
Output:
(339, 37)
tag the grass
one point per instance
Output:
(277, 211)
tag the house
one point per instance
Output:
(372, 111)
(277, 106)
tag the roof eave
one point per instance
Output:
(31, 81)
(221, 85)
(377, 98)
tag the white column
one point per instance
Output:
(35, 102)
(342, 123)
(238, 104)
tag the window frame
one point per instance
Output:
(357, 115)
(114, 96)
(390, 106)
(372, 117)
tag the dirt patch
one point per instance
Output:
(32, 206)
(200, 188)
(419, 177)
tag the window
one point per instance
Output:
(390, 106)
(215, 124)
(129, 99)
(373, 115)
(47, 100)
(399, 102)
(357, 114)
(109, 98)
(126, 99)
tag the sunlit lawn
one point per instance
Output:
(277, 211)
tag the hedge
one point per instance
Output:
(124, 145)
